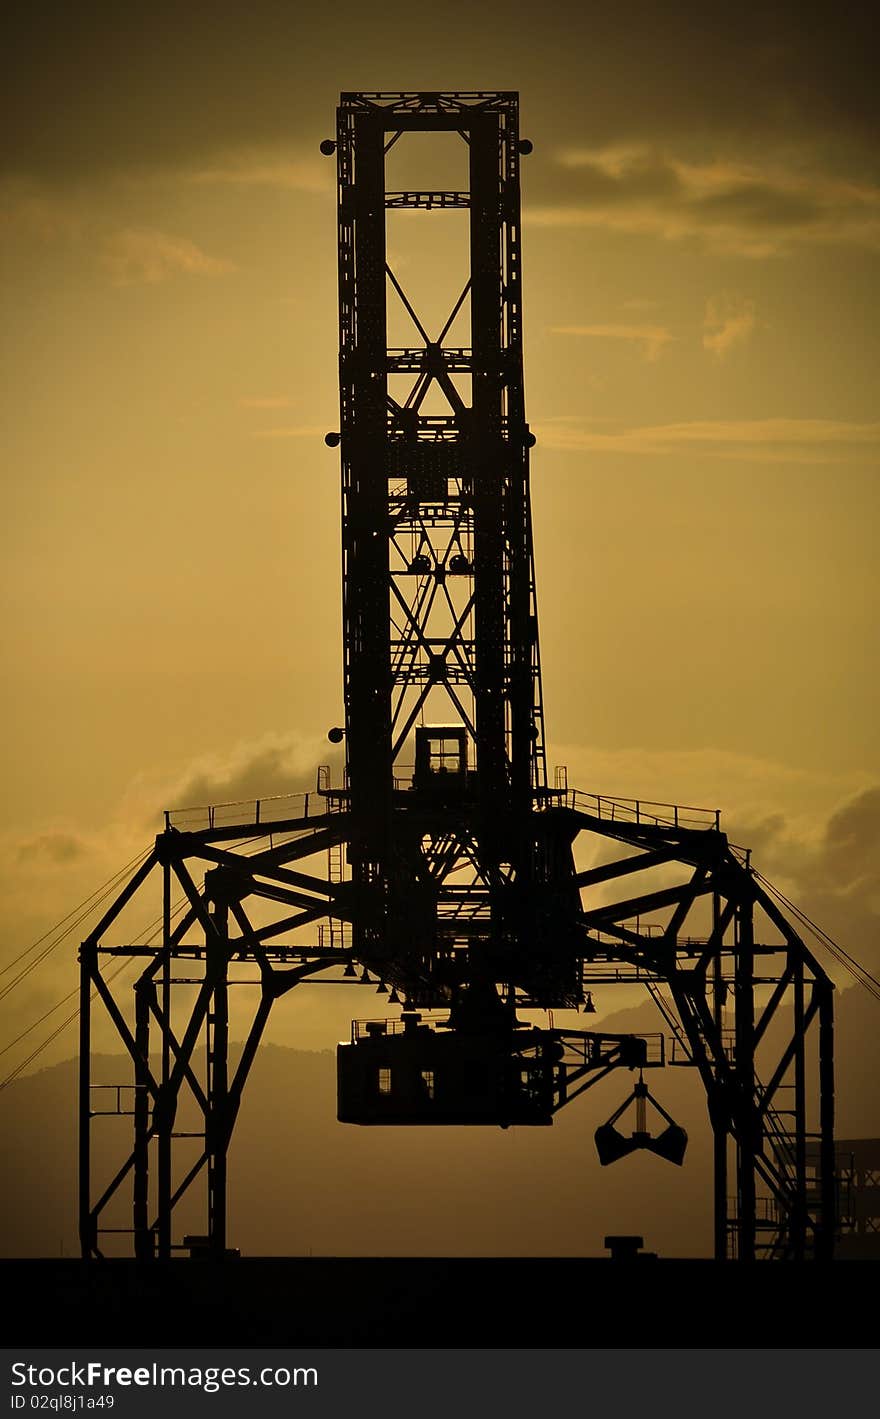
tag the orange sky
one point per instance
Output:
(702, 229)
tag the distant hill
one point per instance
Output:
(301, 1184)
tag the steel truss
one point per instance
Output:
(733, 1001)
(445, 867)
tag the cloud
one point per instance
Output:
(749, 790)
(728, 321)
(132, 255)
(651, 338)
(814, 834)
(836, 881)
(756, 440)
(29, 212)
(46, 873)
(140, 255)
(276, 766)
(273, 765)
(58, 848)
(259, 169)
(850, 852)
(178, 83)
(756, 209)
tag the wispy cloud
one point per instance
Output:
(651, 338)
(54, 847)
(743, 208)
(267, 401)
(27, 212)
(275, 764)
(131, 255)
(293, 431)
(140, 255)
(729, 321)
(757, 440)
(251, 168)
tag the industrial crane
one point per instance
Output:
(445, 868)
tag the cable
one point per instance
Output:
(74, 918)
(860, 974)
(175, 911)
(108, 884)
(84, 909)
(51, 1011)
(35, 1054)
(112, 976)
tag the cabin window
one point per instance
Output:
(441, 763)
(444, 756)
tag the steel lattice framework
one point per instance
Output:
(446, 865)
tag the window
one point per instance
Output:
(445, 756)
(428, 1082)
(441, 758)
(384, 1081)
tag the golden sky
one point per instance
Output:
(701, 242)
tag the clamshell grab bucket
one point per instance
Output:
(612, 1145)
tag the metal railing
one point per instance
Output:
(261, 812)
(682, 1053)
(278, 808)
(335, 935)
(393, 1025)
(630, 810)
